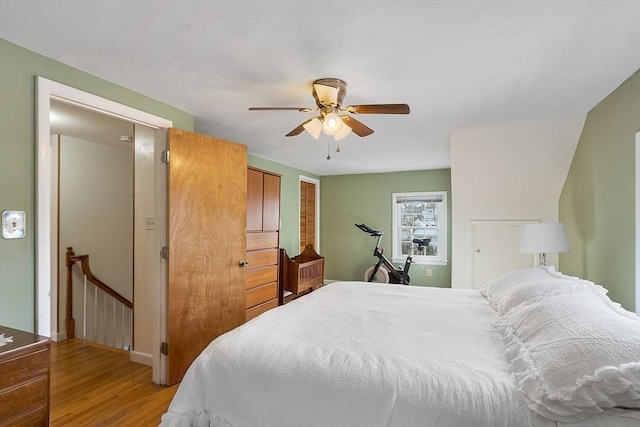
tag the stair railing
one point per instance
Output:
(107, 292)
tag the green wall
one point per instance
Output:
(349, 199)
(18, 70)
(289, 201)
(597, 203)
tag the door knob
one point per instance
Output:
(243, 263)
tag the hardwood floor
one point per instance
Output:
(96, 386)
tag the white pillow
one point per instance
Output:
(573, 354)
(515, 287)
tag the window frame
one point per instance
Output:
(442, 228)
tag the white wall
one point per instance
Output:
(507, 171)
(96, 216)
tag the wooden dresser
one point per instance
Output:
(24, 379)
(263, 237)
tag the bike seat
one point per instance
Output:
(422, 242)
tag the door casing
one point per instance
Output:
(46, 215)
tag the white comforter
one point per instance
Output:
(359, 354)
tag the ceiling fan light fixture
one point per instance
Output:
(314, 127)
(326, 95)
(346, 130)
(332, 124)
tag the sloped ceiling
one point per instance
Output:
(458, 64)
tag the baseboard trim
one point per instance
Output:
(58, 336)
(143, 358)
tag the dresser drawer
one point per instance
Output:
(262, 240)
(260, 276)
(262, 294)
(24, 398)
(23, 367)
(262, 257)
(261, 308)
(37, 418)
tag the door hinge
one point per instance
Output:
(164, 253)
(164, 348)
(166, 156)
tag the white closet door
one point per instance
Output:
(496, 249)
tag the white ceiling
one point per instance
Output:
(458, 64)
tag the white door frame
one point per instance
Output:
(302, 178)
(46, 193)
(637, 264)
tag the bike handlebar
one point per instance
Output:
(369, 230)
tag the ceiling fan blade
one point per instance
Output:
(299, 129)
(357, 127)
(379, 109)
(300, 109)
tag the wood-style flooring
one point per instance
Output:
(97, 386)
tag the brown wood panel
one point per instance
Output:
(271, 200)
(262, 257)
(207, 225)
(262, 294)
(260, 276)
(262, 240)
(261, 308)
(255, 187)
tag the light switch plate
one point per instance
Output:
(14, 224)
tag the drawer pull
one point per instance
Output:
(243, 264)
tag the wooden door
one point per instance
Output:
(255, 184)
(207, 221)
(307, 214)
(271, 203)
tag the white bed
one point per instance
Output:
(364, 354)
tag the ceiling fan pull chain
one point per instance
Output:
(328, 155)
(337, 146)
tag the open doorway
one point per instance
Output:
(47, 253)
(94, 188)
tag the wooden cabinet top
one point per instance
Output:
(21, 340)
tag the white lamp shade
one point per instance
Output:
(332, 124)
(346, 130)
(314, 127)
(542, 238)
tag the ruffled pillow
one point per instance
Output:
(573, 354)
(529, 285)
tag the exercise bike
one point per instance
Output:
(389, 273)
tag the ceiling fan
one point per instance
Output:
(329, 94)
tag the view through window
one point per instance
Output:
(420, 216)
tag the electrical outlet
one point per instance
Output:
(150, 222)
(429, 272)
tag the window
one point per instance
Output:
(420, 216)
